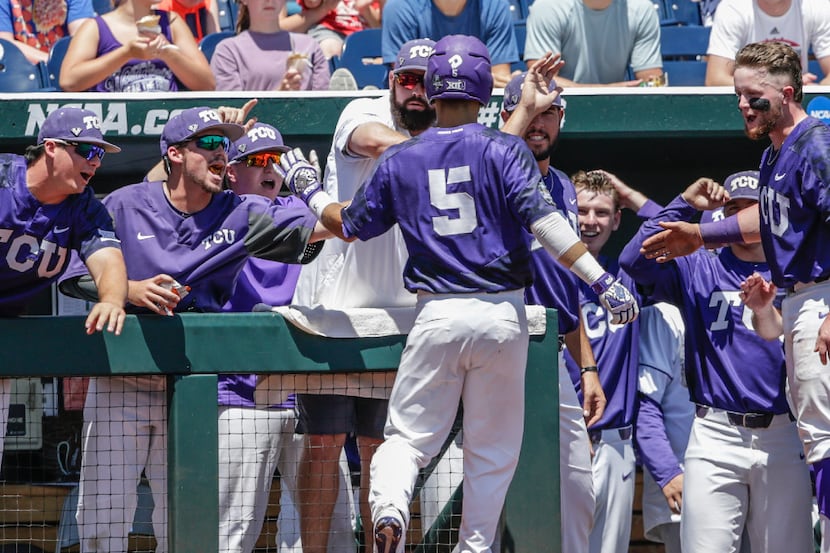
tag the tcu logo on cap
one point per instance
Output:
(744, 181)
(420, 51)
(209, 115)
(261, 132)
(91, 122)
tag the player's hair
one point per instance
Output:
(33, 153)
(776, 58)
(596, 182)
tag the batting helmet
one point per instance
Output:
(459, 69)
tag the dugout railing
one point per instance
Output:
(191, 349)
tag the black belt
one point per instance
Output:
(791, 290)
(624, 432)
(747, 420)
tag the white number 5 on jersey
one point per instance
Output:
(465, 220)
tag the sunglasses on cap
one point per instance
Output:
(262, 159)
(212, 142)
(409, 80)
(83, 149)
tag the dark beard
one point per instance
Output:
(411, 119)
(546, 153)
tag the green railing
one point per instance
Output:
(191, 349)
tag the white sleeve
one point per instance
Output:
(555, 234)
(661, 349)
(817, 22)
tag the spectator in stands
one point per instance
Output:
(34, 31)
(490, 20)
(201, 16)
(134, 48)
(598, 40)
(329, 22)
(265, 57)
(797, 23)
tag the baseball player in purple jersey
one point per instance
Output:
(349, 275)
(47, 209)
(616, 351)
(254, 442)
(744, 466)
(556, 287)
(663, 422)
(791, 222)
(188, 230)
(465, 197)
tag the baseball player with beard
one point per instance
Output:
(791, 222)
(744, 466)
(348, 275)
(464, 197)
(556, 287)
(183, 230)
(47, 209)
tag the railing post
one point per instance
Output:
(192, 481)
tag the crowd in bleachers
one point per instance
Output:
(602, 42)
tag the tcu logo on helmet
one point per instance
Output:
(261, 132)
(209, 115)
(455, 62)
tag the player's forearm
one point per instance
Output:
(768, 323)
(652, 441)
(331, 216)
(579, 346)
(559, 239)
(744, 226)
(110, 278)
(372, 139)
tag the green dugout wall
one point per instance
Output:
(192, 348)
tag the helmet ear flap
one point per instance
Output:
(459, 69)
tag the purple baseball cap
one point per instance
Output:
(513, 93)
(190, 122)
(743, 185)
(261, 138)
(413, 55)
(74, 125)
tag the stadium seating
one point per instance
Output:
(680, 12)
(362, 57)
(227, 14)
(209, 42)
(520, 30)
(17, 74)
(53, 64)
(683, 49)
(814, 68)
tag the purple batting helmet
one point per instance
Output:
(459, 69)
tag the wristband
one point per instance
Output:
(319, 201)
(590, 369)
(725, 231)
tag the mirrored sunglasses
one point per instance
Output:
(85, 150)
(212, 142)
(262, 159)
(409, 80)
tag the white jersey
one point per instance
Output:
(662, 379)
(355, 274)
(740, 22)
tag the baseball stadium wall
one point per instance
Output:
(191, 349)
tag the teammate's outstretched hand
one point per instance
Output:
(616, 299)
(705, 194)
(107, 316)
(680, 238)
(300, 175)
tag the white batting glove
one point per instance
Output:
(616, 299)
(300, 175)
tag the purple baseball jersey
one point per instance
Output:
(260, 281)
(794, 205)
(616, 348)
(36, 239)
(553, 285)
(464, 216)
(205, 250)
(719, 335)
